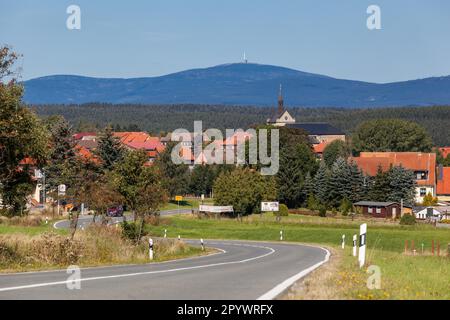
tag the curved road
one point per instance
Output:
(241, 270)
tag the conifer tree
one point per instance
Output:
(110, 149)
(322, 184)
(402, 185)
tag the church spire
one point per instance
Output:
(280, 102)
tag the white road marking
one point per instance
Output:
(279, 289)
(117, 265)
(271, 251)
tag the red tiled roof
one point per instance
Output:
(320, 148)
(140, 141)
(127, 137)
(369, 162)
(445, 151)
(147, 145)
(80, 135)
(86, 154)
(27, 162)
(443, 182)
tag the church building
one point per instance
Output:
(282, 117)
(320, 133)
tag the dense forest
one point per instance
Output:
(163, 118)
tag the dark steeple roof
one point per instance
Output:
(280, 102)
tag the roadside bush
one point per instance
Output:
(311, 203)
(408, 220)
(322, 211)
(284, 211)
(129, 230)
(153, 220)
(54, 249)
(107, 244)
(345, 207)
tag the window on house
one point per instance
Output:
(421, 175)
(370, 210)
(423, 192)
(378, 210)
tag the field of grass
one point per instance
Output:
(187, 203)
(403, 276)
(34, 229)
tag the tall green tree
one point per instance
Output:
(308, 186)
(340, 183)
(322, 184)
(346, 183)
(391, 135)
(175, 176)
(296, 160)
(62, 165)
(203, 176)
(140, 186)
(110, 149)
(380, 186)
(335, 150)
(244, 189)
(22, 135)
(402, 185)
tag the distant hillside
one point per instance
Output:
(237, 84)
(156, 118)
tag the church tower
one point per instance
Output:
(280, 102)
(282, 117)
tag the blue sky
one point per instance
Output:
(154, 37)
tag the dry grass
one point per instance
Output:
(320, 284)
(25, 221)
(97, 245)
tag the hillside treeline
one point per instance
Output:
(163, 118)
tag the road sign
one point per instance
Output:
(270, 206)
(62, 189)
(38, 174)
(216, 209)
(178, 198)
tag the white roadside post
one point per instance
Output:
(355, 238)
(150, 248)
(179, 237)
(362, 245)
(165, 233)
(281, 235)
(46, 220)
(203, 244)
(343, 241)
(61, 192)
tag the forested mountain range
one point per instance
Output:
(238, 84)
(157, 118)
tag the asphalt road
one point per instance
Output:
(240, 270)
(84, 221)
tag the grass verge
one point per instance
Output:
(96, 246)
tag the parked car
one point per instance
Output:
(116, 211)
